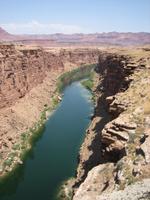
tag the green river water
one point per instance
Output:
(53, 157)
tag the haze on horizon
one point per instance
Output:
(80, 16)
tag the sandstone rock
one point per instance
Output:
(24, 68)
(120, 176)
(139, 190)
(115, 134)
(110, 99)
(137, 170)
(146, 146)
(138, 111)
(123, 87)
(147, 121)
(117, 107)
(125, 123)
(100, 179)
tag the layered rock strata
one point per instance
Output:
(115, 152)
(28, 78)
(22, 68)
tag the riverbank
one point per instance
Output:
(28, 116)
(65, 190)
(45, 105)
(52, 157)
(28, 76)
(75, 75)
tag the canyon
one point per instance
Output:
(115, 154)
(28, 87)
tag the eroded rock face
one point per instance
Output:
(77, 57)
(139, 190)
(116, 134)
(114, 72)
(111, 78)
(98, 180)
(122, 88)
(22, 68)
(145, 140)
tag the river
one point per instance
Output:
(54, 155)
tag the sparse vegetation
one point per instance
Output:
(8, 162)
(88, 83)
(65, 190)
(27, 139)
(55, 101)
(74, 75)
(16, 147)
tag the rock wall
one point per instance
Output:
(22, 68)
(111, 156)
(79, 56)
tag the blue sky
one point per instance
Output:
(70, 16)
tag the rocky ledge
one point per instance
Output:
(116, 151)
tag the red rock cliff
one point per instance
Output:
(21, 68)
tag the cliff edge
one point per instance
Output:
(114, 158)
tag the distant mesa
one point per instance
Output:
(59, 39)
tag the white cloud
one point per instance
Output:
(35, 27)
